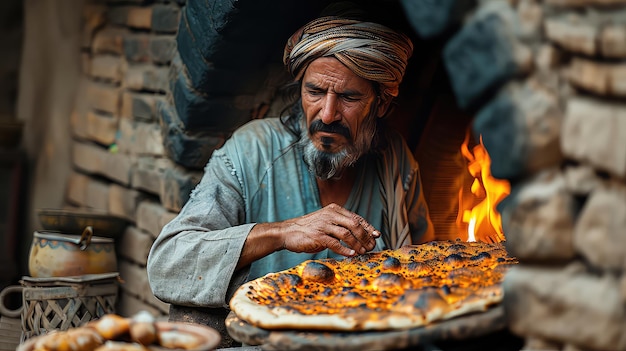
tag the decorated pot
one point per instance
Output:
(54, 254)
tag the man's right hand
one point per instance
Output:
(332, 227)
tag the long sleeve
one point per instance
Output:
(192, 261)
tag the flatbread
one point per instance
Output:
(410, 287)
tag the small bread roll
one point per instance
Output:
(143, 329)
(79, 339)
(177, 340)
(111, 326)
(121, 346)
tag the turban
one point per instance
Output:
(370, 50)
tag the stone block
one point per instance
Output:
(189, 150)
(140, 138)
(158, 17)
(573, 33)
(434, 18)
(176, 187)
(565, 305)
(195, 34)
(538, 219)
(97, 196)
(152, 216)
(97, 160)
(148, 173)
(613, 41)
(106, 67)
(101, 128)
(602, 127)
(146, 77)
(77, 188)
(162, 48)
(109, 40)
(208, 79)
(581, 180)
(485, 54)
(136, 282)
(598, 78)
(135, 245)
(521, 128)
(140, 107)
(201, 112)
(599, 233)
(123, 201)
(137, 47)
(103, 97)
(165, 18)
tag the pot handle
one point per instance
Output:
(85, 238)
(3, 309)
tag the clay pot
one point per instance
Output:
(53, 254)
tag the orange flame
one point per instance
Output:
(481, 221)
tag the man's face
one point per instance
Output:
(340, 111)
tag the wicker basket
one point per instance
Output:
(62, 303)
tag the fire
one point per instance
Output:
(481, 221)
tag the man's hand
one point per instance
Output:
(328, 227)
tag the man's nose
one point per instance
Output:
(329, 113)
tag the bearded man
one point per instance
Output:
(326, 181)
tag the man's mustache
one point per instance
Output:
(335, 127)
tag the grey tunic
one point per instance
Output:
(259, 176)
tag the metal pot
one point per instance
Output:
(53, 254)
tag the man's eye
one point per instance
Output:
(315, 92)
(350, 98)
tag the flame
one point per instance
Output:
(481, 221)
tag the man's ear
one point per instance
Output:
(383, 107)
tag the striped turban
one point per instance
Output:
(370, 50)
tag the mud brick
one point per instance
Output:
(103, 97)
(97, 160)
(201, 112)
(600, 226)
(573, 33)
(109, 40)
(152, 216)
(613, 41)
(433, 18)
(146, 77)
(521, 130)
(77, 188)
(135, 245)
(135, 281)
(148, 173)
(189, 150)
(140, 107)
(599, 78)
(485, 54)
(140, 138)
(97, 194)
(538, 218)
(101, 128)
(123, 201)
(582, 179)
(176, 187)
(165, 18)
(106, 67)
(137, 47)
(162, 48)
(94, 17)
(602, 127)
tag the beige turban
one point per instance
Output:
(372, 51)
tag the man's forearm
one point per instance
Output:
(263, 239)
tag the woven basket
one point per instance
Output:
(65, 302)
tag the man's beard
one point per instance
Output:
(331, 165)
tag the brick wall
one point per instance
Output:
(118, 158)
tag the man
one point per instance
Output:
(326, 181)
